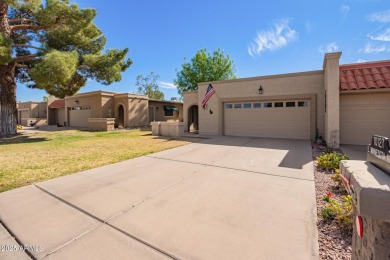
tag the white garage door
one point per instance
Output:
(78, 116)
(364, 115)
(276, 119)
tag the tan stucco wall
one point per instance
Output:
(108, 107)
(33, 110)
(331, 86)
(137, 112)
(60, 116)
(276, 87)
(42, 110)
(101, 124)
(93, 100)
(121, 100)
(172, 129)
(190, 98)
(160, 113)
(36, 109)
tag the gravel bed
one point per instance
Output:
(333, 242)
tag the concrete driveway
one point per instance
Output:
(223, 198)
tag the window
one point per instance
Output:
(168, 112)
(247, 105)
(256, 105)
(278, 104)
(302, 103)
(267, 104)
(80, 108)
(228, 106)
(290, 104)
(237, 105)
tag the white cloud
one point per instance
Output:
(370, 48)
(344, 9)
(360, 60)
(382, 17)
(309, 27)
(167, 85)
(382, 36)
(330, 47)
(278, 36)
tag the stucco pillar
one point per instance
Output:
(332, 99)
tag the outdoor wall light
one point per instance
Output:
(157, 108)
(211, 112)
(260, 90)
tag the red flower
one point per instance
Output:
(329, 194)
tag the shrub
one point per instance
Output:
(341, 212)
(337, 179)
(327, 214)
(330, 161)
(19, 127)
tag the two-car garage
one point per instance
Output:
(274, 119)
(340, 104)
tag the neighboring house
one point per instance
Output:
(32, 113)
(344, 104)
(165, 110)
(104, 110)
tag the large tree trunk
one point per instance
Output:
(8, 113)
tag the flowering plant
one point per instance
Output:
(327, 197)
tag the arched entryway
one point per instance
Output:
(193, 119)
(120, 117)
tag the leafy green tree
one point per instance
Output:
(204, 67)
(148, 86)
(54, 46)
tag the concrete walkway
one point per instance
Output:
(355, 152)
(223, 198)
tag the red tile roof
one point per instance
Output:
(59, 103)
(369, 75)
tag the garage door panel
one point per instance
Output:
(274, 122)
(79, 118)
(364, 115)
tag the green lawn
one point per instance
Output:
(39, 156)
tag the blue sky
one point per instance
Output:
(262, 37)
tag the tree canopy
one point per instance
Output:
(147, 85)
(55, 46)
(204, 67)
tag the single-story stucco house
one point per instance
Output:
(104, 110)
(101, 110)
(344, 104)
(32, 113)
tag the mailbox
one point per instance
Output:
(379, 153)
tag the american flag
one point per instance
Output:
(210, 91)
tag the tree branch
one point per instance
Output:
(21, 66)
(20, 20)
(25, 58)
(27, 27)
(27, 46)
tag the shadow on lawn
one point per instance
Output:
(189, 139)
(21, 139)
